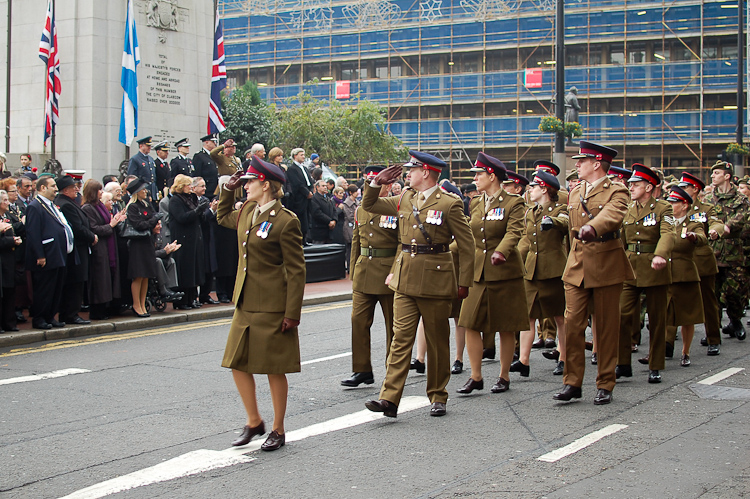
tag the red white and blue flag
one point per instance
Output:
(218, 81)
(48, 54)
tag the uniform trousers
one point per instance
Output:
(730, 291)
(547, 329)
(406, 312)
(657, 300)
(711, 309)
(607, 318)
(363, 313)
(47, 285)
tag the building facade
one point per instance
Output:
(656, 80)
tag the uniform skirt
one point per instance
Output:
(495, 306)
(545, 297)
(256, 344)
(685, 304)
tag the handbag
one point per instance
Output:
(129, 232)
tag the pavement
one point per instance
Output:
(315, 294)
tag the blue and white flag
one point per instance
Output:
(130, 60)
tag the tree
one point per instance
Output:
(248, 118)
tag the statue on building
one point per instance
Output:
(571, 106)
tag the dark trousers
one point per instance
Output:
(48, 287)
(8, 304)
(225, 287)
(208, 282)
(71, 300)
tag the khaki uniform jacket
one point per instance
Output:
(705, 214)
(683, 264)
(271, 271)
(368, 273)
(597, 263)
(650, 225)
(497, 235)
(544, 252)
(427, 275)
(226, 165)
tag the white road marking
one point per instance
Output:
(323, 359)
(581, 443)
(50, 375)
(205, 460)
(721, 375)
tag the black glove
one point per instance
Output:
(203, 204)
(547, 223)
(160, 215)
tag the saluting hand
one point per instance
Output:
(234, 181)
(497, 258)
(389, 175)
(288, 324)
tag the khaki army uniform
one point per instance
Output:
(648, 231)
(595, 271)
(375, 245)
(226, 165)
(424, 281)
(685, 304)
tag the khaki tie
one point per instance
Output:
(487, 203)
(256, 214)
(420, 200)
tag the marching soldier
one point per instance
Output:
(374, 248)
(648, 233)
(181, 164)
(595, 270)
(423, 276)
(685, 302)
(705, 260)
(733, 209)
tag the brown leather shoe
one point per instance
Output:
(567, 393)
(643, 360)
(538, 343)
(549, 343)
(248, 432)
(551, 354)
(602, 397)
(274, 441)
(437, 409)
(389, 409)
(471, 385)
(500, 386)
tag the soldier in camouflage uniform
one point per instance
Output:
(744, 189)
(733, 209)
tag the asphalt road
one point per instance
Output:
(156, 409)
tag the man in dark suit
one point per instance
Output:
(181, 164)
(163, 172)
(142, 165)
(77, 264)
(25, 190)
(301, 185)
(205, 166)
(323, 215)
(49, 240)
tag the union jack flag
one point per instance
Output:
(48, 54)
(218, 81)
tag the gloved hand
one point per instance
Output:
(288, 324)
(547, 223)
(463, 292)
(234, 181)
(160, 215)
(587, 233)
(202, 205)
(497, 258)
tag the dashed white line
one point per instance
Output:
(581, 443)
(721, 375)
(205, 460)
(323, 359)
(36, 377)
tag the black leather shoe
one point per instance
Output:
(685, 361)
(704, 341)
(728, 330)
(437, 409)
(739, 331)
(40, 325)
(11, 329)
(417, 366)
(389, 409)
(550, 343)
(559, 368)
(589, 346)
(210, 301)
(520, 368)
(57, 323)
(224, 300)
(196, 304)
(77, 320)
(20, 318)
(594, 359)
(273, 442)
(602, 397)
(471, 385)
(643, 360)
(500, 386)
(182, 307)
(357, 379)
(551, 354)
(142, 316)
(669, 352)
(488, 353)
(713, 350)
(654, 376)
(623, 370)
(458, 367)
(248, 432)
(567, 393)
(538, 343)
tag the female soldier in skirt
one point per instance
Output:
(544, 254)
(268, 294)
(497, 301)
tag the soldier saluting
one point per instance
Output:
(423, 275)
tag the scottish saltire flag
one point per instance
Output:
(218, 81)
(129, 82)
(48, 54)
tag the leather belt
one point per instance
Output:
(378, 252)
(424, 249)
(642, 248)
(615, 234)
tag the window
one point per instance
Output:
(636, 53)
(395, 71)
(349, 71)
(617, 54)
(431, 65)
(290, 77)
(595, 56)
(574, 56)
(381, 69)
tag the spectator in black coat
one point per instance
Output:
(204, 166)
(301, 185)
(9, 241)
(209, 254)
(324, 215)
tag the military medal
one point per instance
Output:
(684, 232)
(649, 220)
(263, 230)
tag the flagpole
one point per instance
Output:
(54, 83)
(7, 79)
